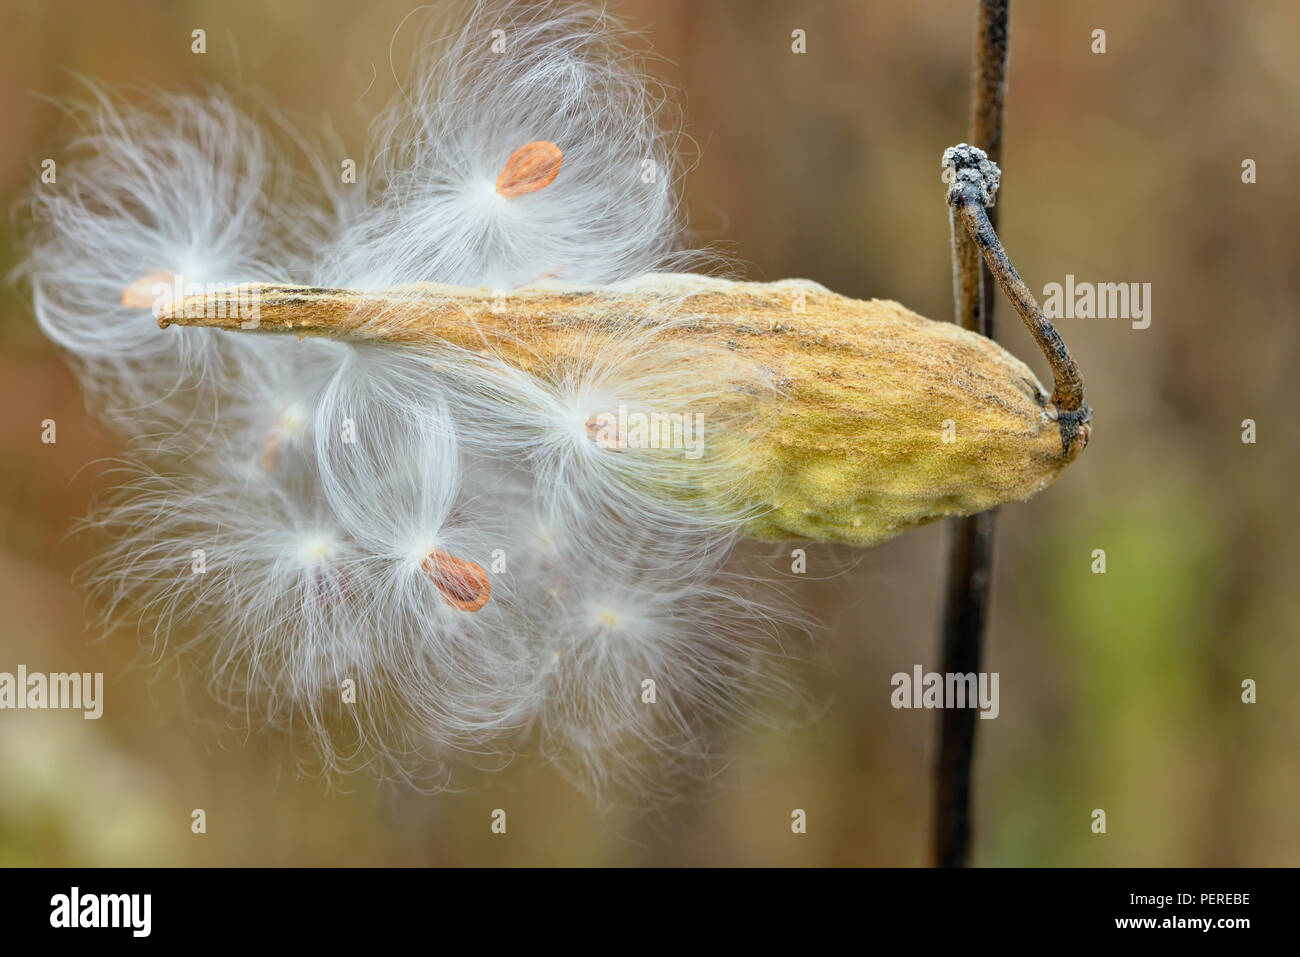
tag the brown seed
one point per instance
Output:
(330, 584)
(271, 451)
(603, 430)
(464, 584)
(140, 295)
(530, 168)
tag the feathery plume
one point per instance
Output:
(483, 497)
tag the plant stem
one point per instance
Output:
(975, 180)
(970, 559)
(971, 544)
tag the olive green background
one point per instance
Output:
(1118, 691)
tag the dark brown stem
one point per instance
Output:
(970, 560)
(971, 547)
(989, 85)
(974, 182)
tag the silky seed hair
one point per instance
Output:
(475, 548)
(556, 88)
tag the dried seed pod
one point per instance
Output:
(876, 419)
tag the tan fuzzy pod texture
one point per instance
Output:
(852, 420)
(888, 420)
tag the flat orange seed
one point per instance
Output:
(530, 168)
(463, 584)
(140, 295)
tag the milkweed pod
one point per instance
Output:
(849, 420)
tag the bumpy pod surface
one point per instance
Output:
(849, 420)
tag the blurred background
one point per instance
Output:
(1119, 691)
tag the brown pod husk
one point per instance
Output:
(869, 419)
